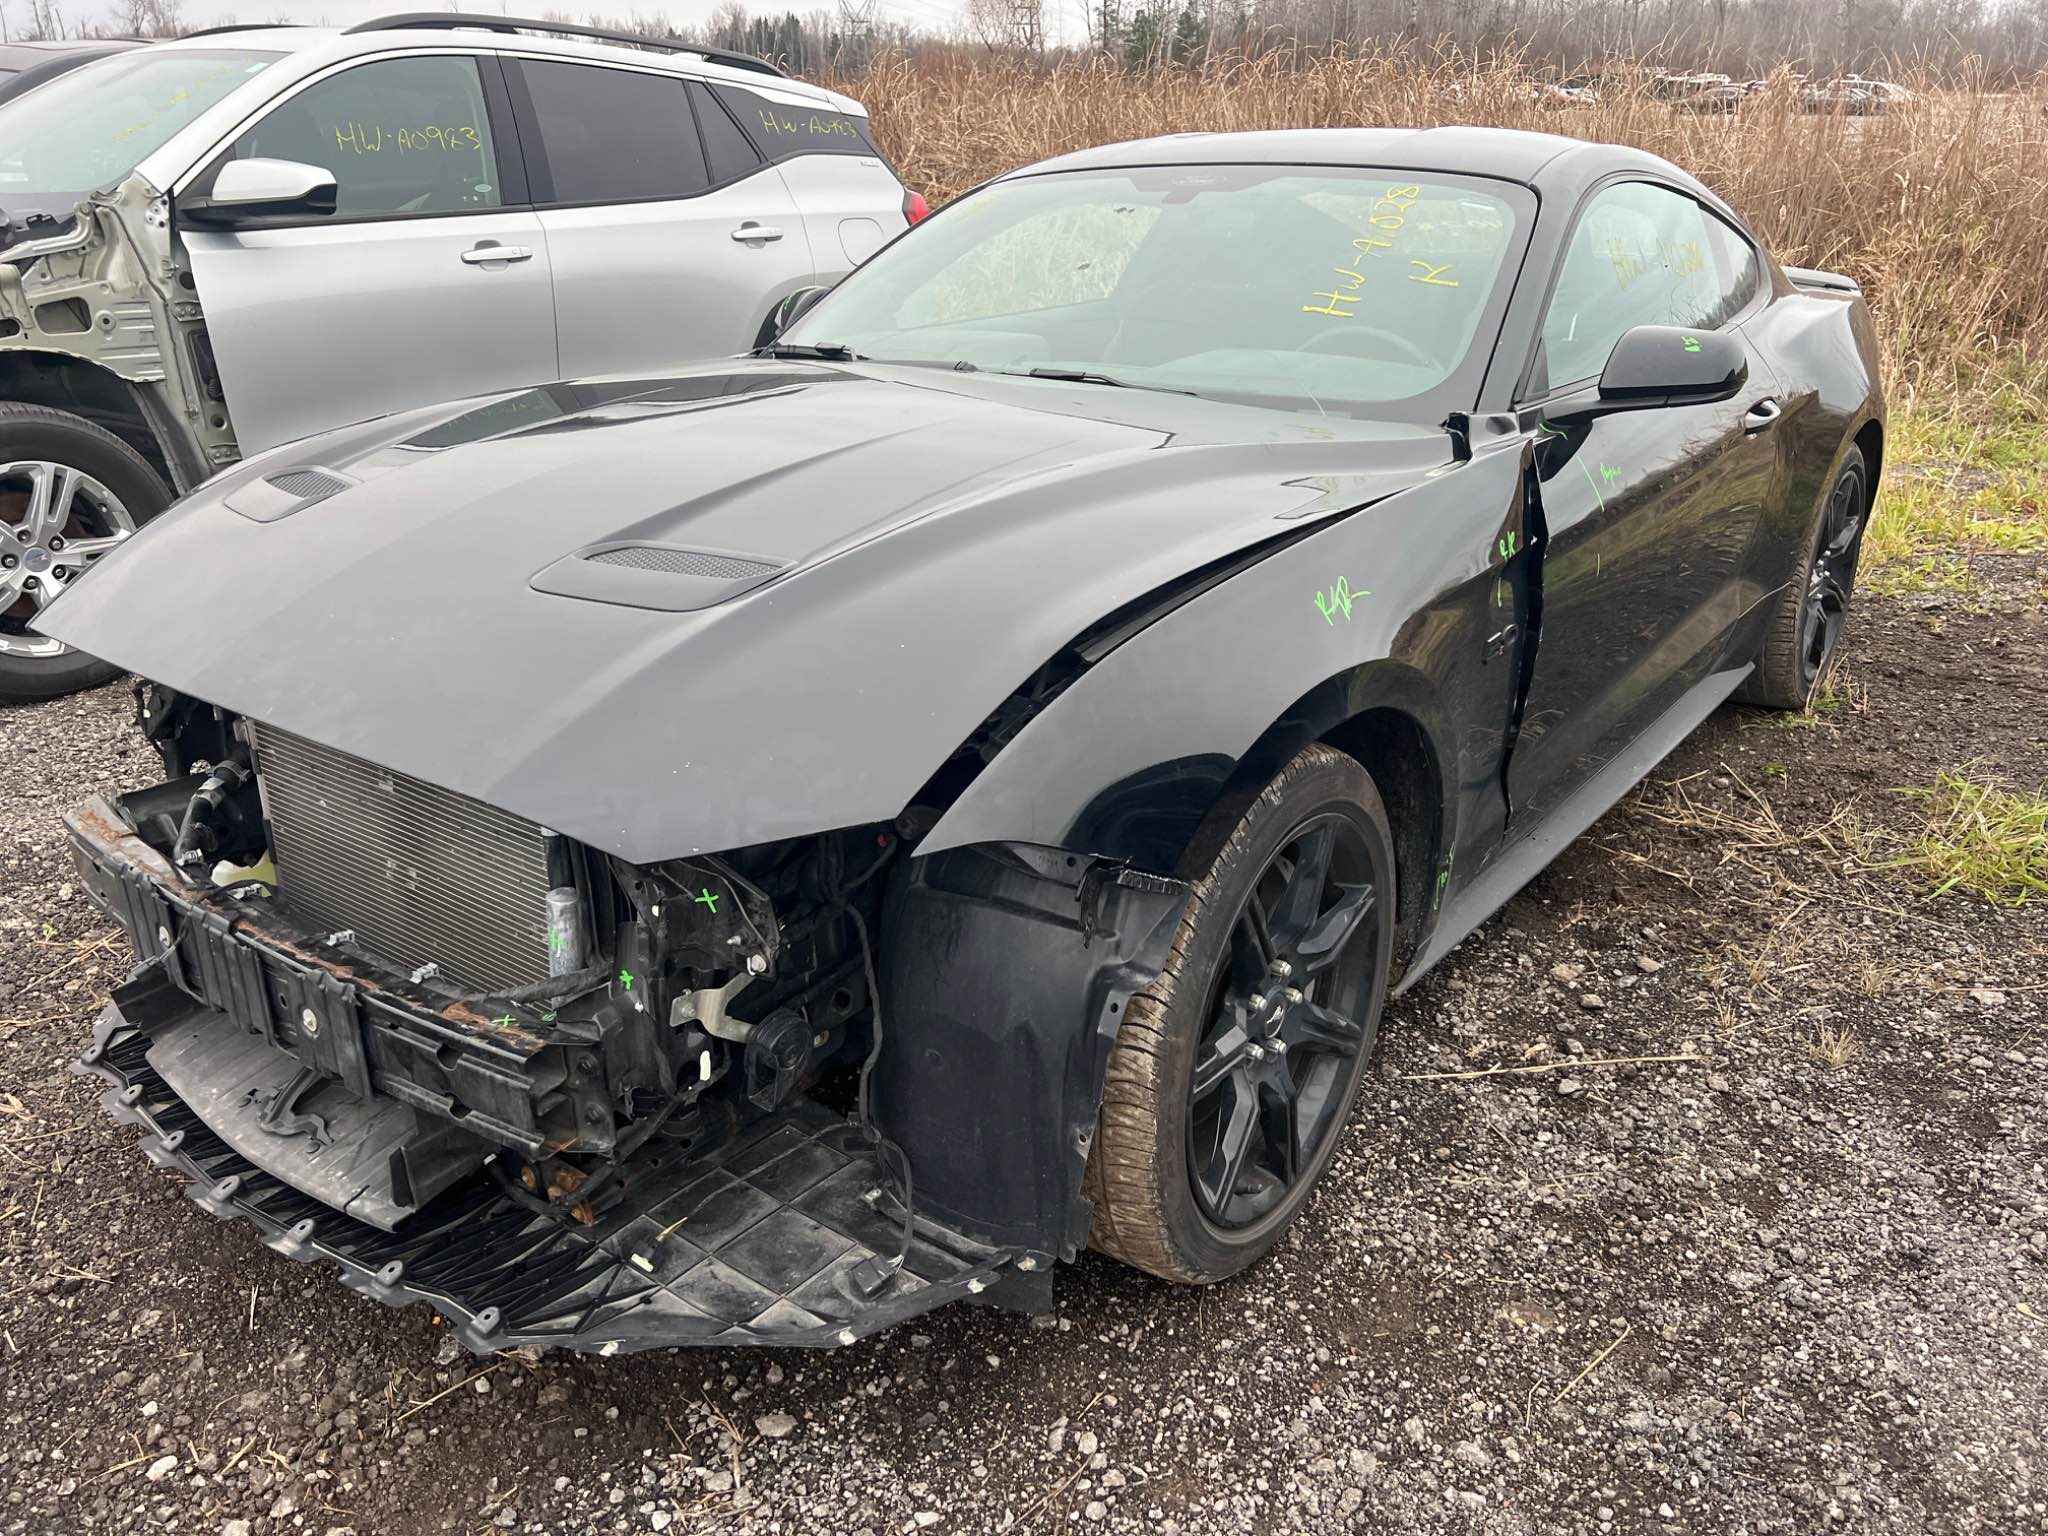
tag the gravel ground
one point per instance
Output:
(1791, 1282)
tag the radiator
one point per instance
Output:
(423, 876)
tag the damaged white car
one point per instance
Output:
(213, 246)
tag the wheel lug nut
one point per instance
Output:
(1282, 969)
(56, 543)
(1292, 994)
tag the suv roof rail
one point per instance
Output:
(238, 26)
(411, 21)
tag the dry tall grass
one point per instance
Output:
(1941, 211)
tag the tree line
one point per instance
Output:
(1562, 38)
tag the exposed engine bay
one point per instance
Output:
(573, 1100)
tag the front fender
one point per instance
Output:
(1132, 760)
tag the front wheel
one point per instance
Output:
(1800, 648)
(69, 493)
(1234, 1073)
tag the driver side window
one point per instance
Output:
(402, 136)
(1641, 255)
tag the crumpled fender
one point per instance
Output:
(1378, 607)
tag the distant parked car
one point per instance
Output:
(1843, 96)
(1714, 99)
(215, 245)
(24, 66)
(1678, 87)
(1550, 93)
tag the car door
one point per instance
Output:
(657, 261)
(429, 281)
(1649, 513)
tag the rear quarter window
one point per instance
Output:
(779, 130)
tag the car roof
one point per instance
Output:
(1549, 162)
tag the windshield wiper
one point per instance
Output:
(830, 351)
(1086, 376)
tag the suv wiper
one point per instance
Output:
(830, 351)
(1085, 376)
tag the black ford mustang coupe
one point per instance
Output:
(747, 856)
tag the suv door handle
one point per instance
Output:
(490, 250)
(1761, 415)
(750, 231)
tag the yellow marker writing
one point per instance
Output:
(1434, 276)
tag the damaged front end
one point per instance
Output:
(568, 1100)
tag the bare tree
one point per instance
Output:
(1008, 24)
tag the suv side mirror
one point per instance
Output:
(1668, 365)
(785, 314)
(254, 190)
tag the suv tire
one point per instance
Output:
(108, 491)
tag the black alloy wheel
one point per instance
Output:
(1831, 577)
(1803, 642)
(1286, 1037)
(1235, 1071)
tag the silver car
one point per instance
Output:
(212, 246)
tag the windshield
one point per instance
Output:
(90, 127)
(1320, 288)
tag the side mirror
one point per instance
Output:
(1667, 365)
(792, 309)
(255, 190)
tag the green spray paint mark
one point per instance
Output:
(1609, 473)
(1338, 600)
(1443, 879)
(706, 899)
(626, 980)
(503, 1021)
(1508, 543)
(1692, 343)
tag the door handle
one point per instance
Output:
(490, 250)
(749, 232)
(1761, 415)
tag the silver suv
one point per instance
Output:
(215, 245)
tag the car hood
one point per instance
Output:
(749, 601)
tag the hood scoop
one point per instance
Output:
(664, 577)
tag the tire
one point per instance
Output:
(112, 492)
(1802, 644)
(1158, 1175)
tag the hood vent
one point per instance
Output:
(288, 491)
(658, 576)
(683, 562)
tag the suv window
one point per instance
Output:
(400, 135)
(728, 150)
(1641, 255)
(614, 135)
(779, 130)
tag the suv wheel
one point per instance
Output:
(69, 493)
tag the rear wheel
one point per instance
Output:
(1234, 1073)
(69, 493)
(1805, 635)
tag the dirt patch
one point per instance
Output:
(1791, 1283)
